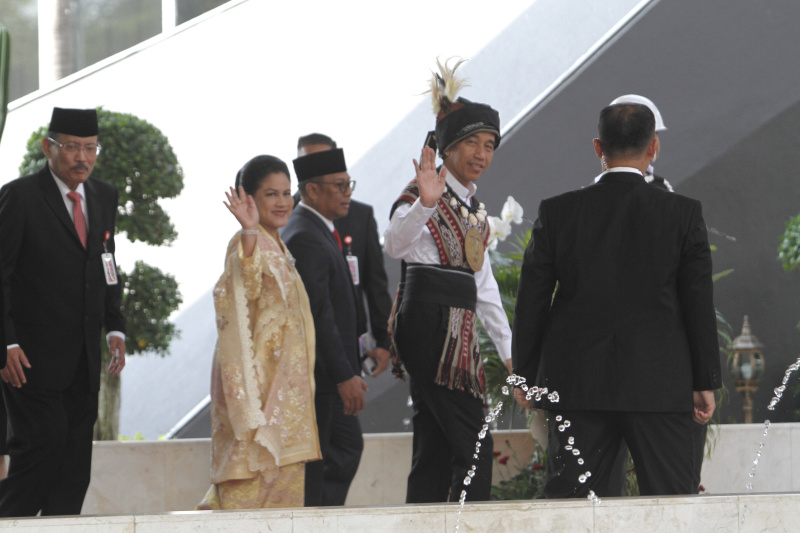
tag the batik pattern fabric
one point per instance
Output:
(263, 424)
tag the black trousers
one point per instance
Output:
(446, 422)
(50, 445)
(661, 444)
(699, 431)
(446, 427)
(328, 480)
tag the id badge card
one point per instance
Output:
(352, 262)
(109, 269)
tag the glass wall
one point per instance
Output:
(92, 30)
(189, 9)
(20, 18)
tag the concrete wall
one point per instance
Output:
(157, 476)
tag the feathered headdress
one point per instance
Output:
(457, 118)
(444, 86)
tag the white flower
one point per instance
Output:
(499, 229)
(512, 211)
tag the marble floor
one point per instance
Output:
(773, 513)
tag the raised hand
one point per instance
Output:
(243, 207)
(431, 183)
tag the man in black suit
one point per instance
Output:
(629, 339)
(57, 242)
(359, 234)
(325, 189)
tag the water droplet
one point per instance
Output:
(588, 474)
(576, 451)
(571, 440)
(568, 447)
(475, 456)
(749, 486)
(561, 428)
(471, 473)
(580, 461)
(505, 390)
(467, 480)
(752, 474)
(406, 421)
(559, 418)
(567, 423)
(524, 387)
(409, 402)
(582, 478)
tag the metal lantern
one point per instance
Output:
(747, 367)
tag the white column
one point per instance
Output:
(168, 15)
(56, 41)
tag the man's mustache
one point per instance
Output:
(80, 166)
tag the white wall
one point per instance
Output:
(149, 477)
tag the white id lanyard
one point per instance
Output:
(352, 261)
(109, 268)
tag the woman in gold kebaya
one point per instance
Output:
(263, 426)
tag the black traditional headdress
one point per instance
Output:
(457, 119)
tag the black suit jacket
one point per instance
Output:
(360, 225)
(57, 301)
(330, 290)
(632, 325)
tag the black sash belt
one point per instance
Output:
(450, 286)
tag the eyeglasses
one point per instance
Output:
(342, 185)
(71, 148)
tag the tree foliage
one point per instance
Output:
(150, 297)
(138, 159)
(789, 248)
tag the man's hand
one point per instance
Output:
(509, 366)
(431, 183)
(117, 348)
(704, 405)
(13, 373)
(520, 396)
(381, 357)
(352, 393)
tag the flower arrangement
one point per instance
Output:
(527, 483)
(500, 228)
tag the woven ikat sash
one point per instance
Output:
(461, 365)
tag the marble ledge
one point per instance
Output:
(775, 513)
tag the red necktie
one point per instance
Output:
(77, 212)
(338, 239)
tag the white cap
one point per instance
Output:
(636, 99)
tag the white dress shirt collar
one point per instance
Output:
(465, 193)
(619, 169)
(64, 190)
(327, 222)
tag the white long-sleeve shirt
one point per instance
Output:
(408, 238)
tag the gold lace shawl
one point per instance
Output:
(262, 384)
